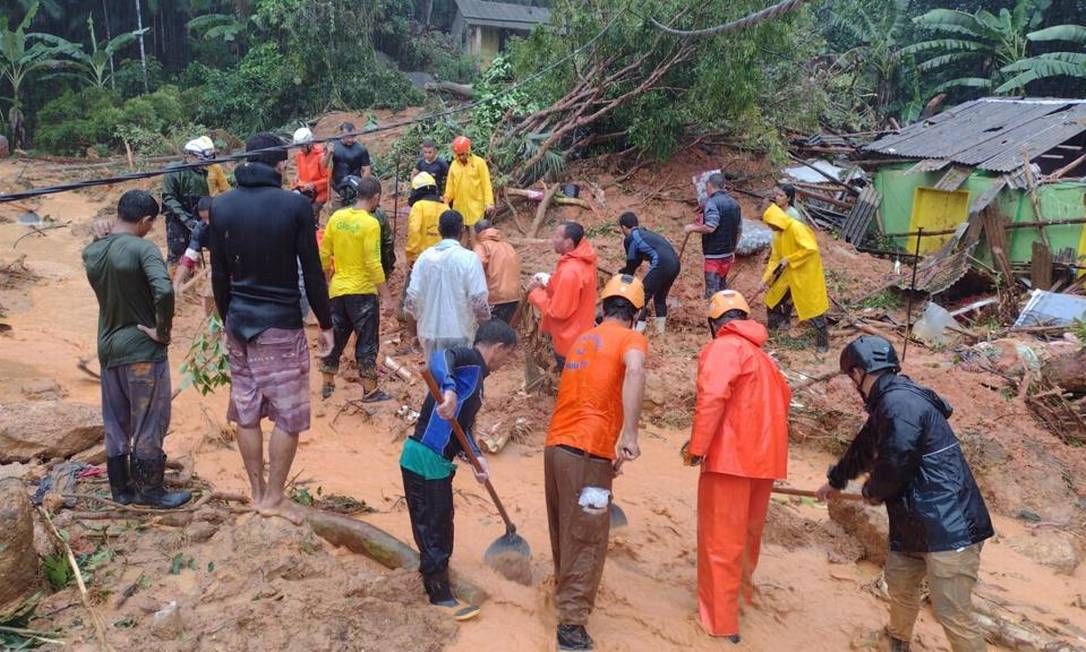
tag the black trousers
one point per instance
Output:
(780, 315)
(430, 507)
(177, 238)
(504, 311)
(658, 284)
(357, 314)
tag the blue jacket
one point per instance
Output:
(642, 245)
(917, 468)
(461, 369)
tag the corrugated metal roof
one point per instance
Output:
(502, 14)
(995, 134)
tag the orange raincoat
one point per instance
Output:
(311, 169)
(568, 303)
(741, 430)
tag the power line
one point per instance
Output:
(136, 176)
(774, 11)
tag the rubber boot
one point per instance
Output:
(439, 589)
(329, 385)
(120, 483)
(898, 645)
(147, 476)
(640, 327)
(661, 325)
(822, 339)
(574, 637)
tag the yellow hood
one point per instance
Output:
(775, 217)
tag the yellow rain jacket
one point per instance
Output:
(468, 188)
(352, 242)
(422, 226)
(804, 276)
(217, 182)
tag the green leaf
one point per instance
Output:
(1072, 33)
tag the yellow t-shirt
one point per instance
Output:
(352, 242)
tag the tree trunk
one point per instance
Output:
(427, 13)
(109, 37)
(143, 51)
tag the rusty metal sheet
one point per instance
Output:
(941, 270)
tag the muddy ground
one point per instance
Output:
(256, 584)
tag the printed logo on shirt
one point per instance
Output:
(587, 343)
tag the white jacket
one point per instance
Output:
(447, 295)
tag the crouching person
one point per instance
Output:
(427, 459)
(135, 314)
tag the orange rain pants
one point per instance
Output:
(731, 515)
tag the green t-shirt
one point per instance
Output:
(419, 459)
(129, 278)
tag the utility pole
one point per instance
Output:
(143, 52)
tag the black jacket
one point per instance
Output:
(917, 468)
(722, 213)
(642, 245)
(259, 234)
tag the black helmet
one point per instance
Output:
(870, 353)
(348, 189)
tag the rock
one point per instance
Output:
(47, 429)
(20, 572)
(45, 544)
(1067, 371)
(1055, 549)
(1027, 515)
(200, 531)
(14, 470)
(95, 455)
(870, 525)
(166, 623)
(42, 389)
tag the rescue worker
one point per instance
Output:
(217, 183)
(720, 227)
(568, 298)
(182, 187)
(468, 188)
(193, 254)
(426, 209)
(345, 158)
(794, 276)
(501, 264)
(740, 440)
(427, 459)
(641, 245)
(352, 242)
(312, 173)
(592, 432)
(430, 162)
(447, 295)
(938, 519)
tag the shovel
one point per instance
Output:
(806, 493)
(510, 553)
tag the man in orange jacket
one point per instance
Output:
(501, 264)
(568, 299)
(312, 180)
(740, 440)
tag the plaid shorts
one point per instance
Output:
(270, 379)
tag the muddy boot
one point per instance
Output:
(661, 325)
(120, 483)
(897, 645)
(371, 393)
(573, 637)
(147, 476)
(822, 338)
(329, 385)
(640, 327)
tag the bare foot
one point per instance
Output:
(282, 508)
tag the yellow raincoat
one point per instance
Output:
(468, 188)
(803, 276)
(422, 227)
(217, 182)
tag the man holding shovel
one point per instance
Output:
(740, 440)
(426, 461)
(938, 519)
(592, 432)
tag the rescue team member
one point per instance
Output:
(352, 244)
(641, 245)
(740, 440)
(592, 432)
(346, 157)
(197, 243)
(568, 300)
(432, 164)
(182, 187)
(938, 520)
(427, 459)
(447, 295)
(312, 179)
(135, 315)
(217, 183)
(501, 264)
(794, 276)
(720, 228)
(468, 188)
(259, 235)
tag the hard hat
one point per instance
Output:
(422, 180)
(201, 147)
(626, 286)
(870, 353)
(303, 136)
(461, 145)
(726, 300)
(348, 190)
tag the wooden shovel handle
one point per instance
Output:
(806, 493)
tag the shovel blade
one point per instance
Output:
(511, 556)
(618, 517)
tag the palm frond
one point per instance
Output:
(1072, 33)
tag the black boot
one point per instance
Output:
(898, 645)
(120, 484)
(147, 476)
(822, 338)
(439, 589)
(573, 637)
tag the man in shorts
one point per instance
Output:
(260, 235)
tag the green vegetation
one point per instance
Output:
(207, 366)
(885, 300)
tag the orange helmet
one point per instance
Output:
(461, 145)
(626, 286)
(726, 300)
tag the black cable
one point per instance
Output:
(134, 176)
(773, 11)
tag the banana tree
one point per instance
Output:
(20, 55)
(92, 67)
(1049, 64)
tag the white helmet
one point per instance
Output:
(201, 147)
(303, 136)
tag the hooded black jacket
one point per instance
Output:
(917, 468)
(259, 233)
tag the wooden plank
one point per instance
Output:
(997, 241)
(954, 178)
(986, 197)
(1040, 272)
